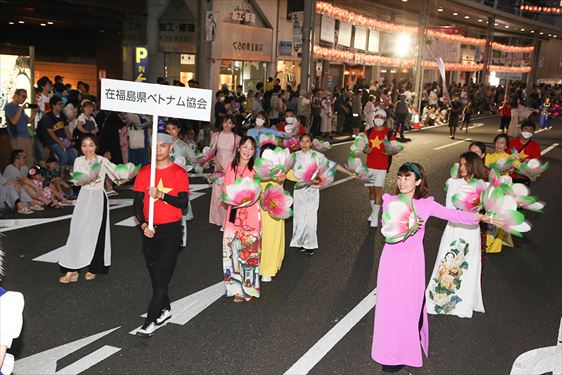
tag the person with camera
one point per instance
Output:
(17, 121)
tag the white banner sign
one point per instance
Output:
(152, 99)
(327, 29)
(510, 76)
(374, 38)
(344, 35)
(360, 40)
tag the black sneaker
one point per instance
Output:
(147, 329)
(309, 251)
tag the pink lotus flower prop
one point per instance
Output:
(292, 129)
(356, 166)
(125, 172)
(532, 168)
(400, 220)
(205, 156)
(504, 207)
(470, 196)
(184, 163)
(503, 165)
(267, 139)
(89, 177)
(292, 143)
(502, 182)
(242, 193)
(359, 145)
(216, 177)
(321, 146)
(314, 173)
(521, 194)
(277, 202)
(273, 163)
(392, 147)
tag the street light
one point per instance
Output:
(402, 45)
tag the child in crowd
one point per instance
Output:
(190, 140)
(467, 114)
(46, 190)
(86, 123)
(53, 177)
(505, 116)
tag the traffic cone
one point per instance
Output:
(416, 121)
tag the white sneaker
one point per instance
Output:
(166, 314)
(147, 329)
(374, 222)
(266, 279)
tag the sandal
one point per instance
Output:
(37, 207)
(89, 276)
(25, 211)
(70, 277)
(238, 299)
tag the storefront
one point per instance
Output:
(245, 52)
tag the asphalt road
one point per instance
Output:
(521, 289)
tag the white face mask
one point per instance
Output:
(379, 122)
(526, 135)
(260, 121)
(221, 98)
(290, 120)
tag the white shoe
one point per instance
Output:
(266, 279)
(147, 329)
(166, 314)
(374, 222)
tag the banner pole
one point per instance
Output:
(153, 169)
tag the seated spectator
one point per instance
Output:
(17, 171)
(12, 197)
(58, 134)
(45, 189)
(86, 123)
(53, 177)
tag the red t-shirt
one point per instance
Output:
(531, 151)
(505, 111)
(171, 180)
(377, 159)
(281, 128)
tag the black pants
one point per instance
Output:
(97, 265)
(161, 255)
(315, 127)
(400, 122)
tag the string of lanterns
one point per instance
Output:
(345, 15)
(512, 49)
(368, 59)
(539, 9)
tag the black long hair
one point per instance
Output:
(236, 159)
(92, 137)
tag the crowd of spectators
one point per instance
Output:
(62, 114)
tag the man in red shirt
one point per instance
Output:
(378, 162)
(161, 245)
(525, 148)
(291, 124)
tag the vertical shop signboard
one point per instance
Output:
(297, 20)
(141, 63)
(328, 29)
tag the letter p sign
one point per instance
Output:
(141, 63)
(141, 54)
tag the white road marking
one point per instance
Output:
(46, 362)
(50, 257)
(541, 360)
(452, 144)
(129, 222)
(549, 148)
(330, 339)
(187, 308)
(7, 225)
(88, 361)
(542, 130)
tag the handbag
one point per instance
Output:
(136, 138)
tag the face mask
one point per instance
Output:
(221, 98)
(526, 135)
(290, 120)
(379, 122)
(260, 122)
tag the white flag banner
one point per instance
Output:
(155, 100)
(441, 67)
